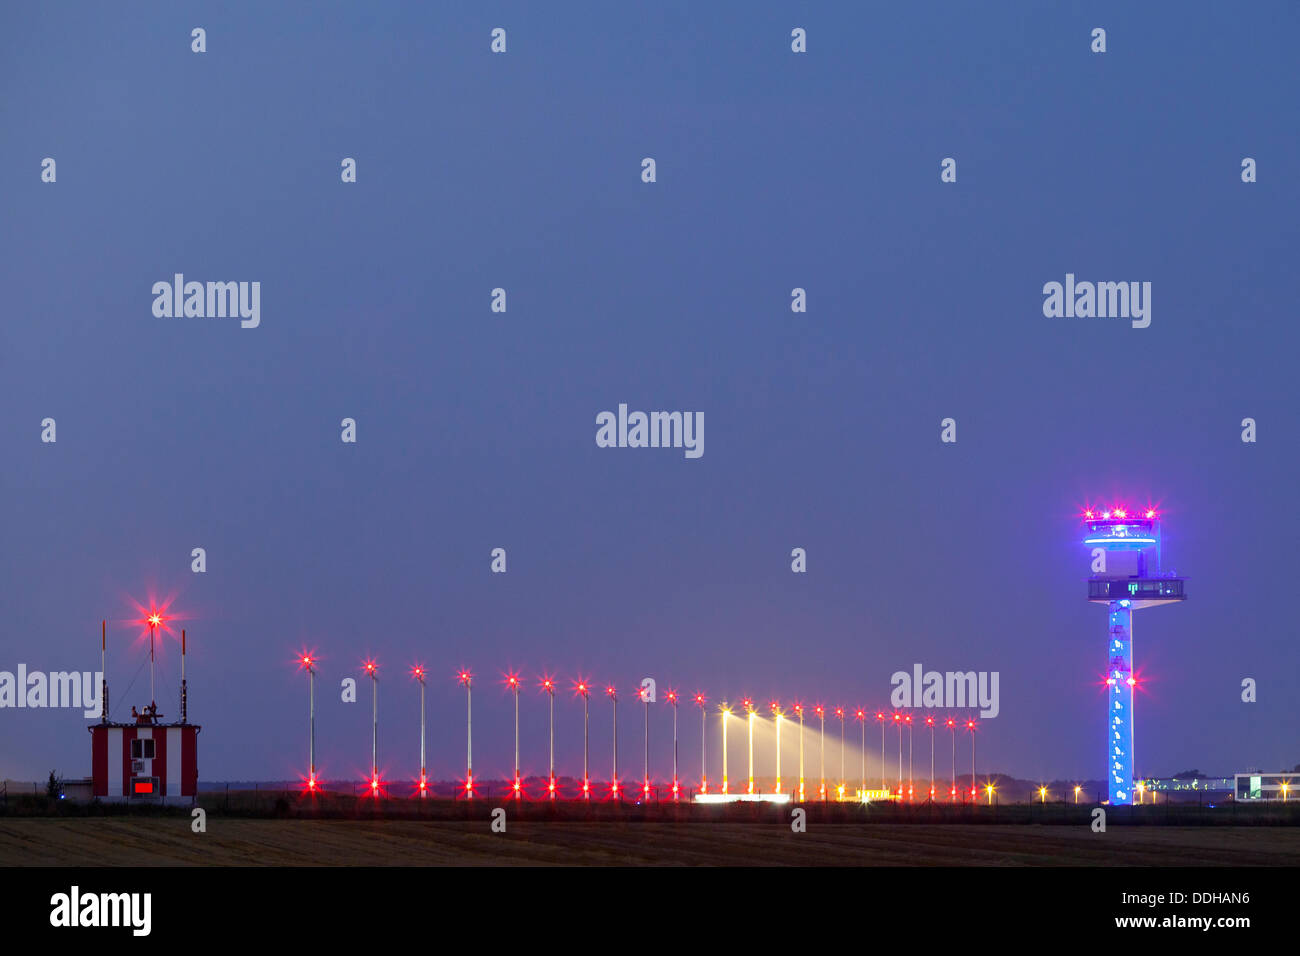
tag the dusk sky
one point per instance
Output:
(476, 429)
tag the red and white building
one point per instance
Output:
(146, 762)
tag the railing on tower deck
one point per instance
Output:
(1136, 589)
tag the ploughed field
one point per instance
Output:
(169, 841)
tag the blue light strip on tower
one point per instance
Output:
(1119, 703)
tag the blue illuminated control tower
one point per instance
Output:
(1125, 548)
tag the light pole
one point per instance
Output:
(613, 696)
(970, 725)
(1077, 788)
(839, 712)
(749, 710)
(373, 670)
(154, 620)
(929, 721)
(704, 742)
(861, 715)
(898, 722)
(777, 717)
(880, 719)
(307, 662)
(548, 685)
(798, 710)
(911, 780)
(467, 679)
(726, 712)
(645, 777)
(1042, 794)
(418, 673)
(582, 688)
(671, 697)
(512, 681)
(821, 715)
(952, 726)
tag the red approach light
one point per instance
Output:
(1121, 513)
(581, 687)
(798, 710)
(513, 681)
(424, 784)
(897, 717)
(747, 704)
(929, 721)
(950, 723)
(671, 696)
(819, 710)
(374, 784)
(417, 672)
(860, 714)
(675, 789)
(613, 789)
(586, 786)
(774, 706)
(551, 786)
(155, 619)
(612, 693)
(1088, 514)
(907, 719)
(880, 715)
(370, 667)
(952, 792)
(970, 725)
(465, 677)
(516, 787)
(469, 785)
(306, 661)
(700, 700)
(839, 712)
(548, 685)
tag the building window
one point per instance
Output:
(142, 749)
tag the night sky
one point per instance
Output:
(476, 429)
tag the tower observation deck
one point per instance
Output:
(1126, 575)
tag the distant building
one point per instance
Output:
(1191, 785)
(1254, 786)
(146, 762)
